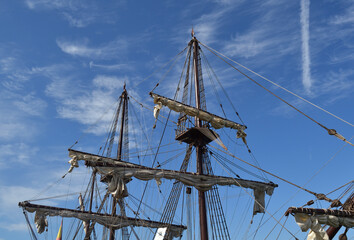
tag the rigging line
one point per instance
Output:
(324, 165)
(273, 227)
(157, 70)
(151, 148)
(143, 130)
(303, 186)
(29, 225)
(255, 160)
(239, 167)
(286, 219)
(295, 185)
(157, 151)
(346, 191)
(223, 89)
(92, 125)
(209, 68)
(174, 150)
(47, 188)
(256, 201)
(330, 131)
(164, 76)
(294, 94)
(152, 110)
(145, 204)
(260, 222)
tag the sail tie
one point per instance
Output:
(157, 109)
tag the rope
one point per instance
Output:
(319, 196)
(160, 69)
(294, 94)
(92, 125)
(257, 201)
(152, 110)
(330, 131)
(29, 225)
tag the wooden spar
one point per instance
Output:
(199, 149)
(88, 233)
(348, 205)
(65, 212)
(319, 211)
(87, 224)
(92, 188)
(119, 155)
(82, 208)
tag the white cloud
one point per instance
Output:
(77, 21)
(267, 38)
(15, 74)
(206, 27)
(14, 226)
(109, 50)
(79, 13)
(109, 82)
(14, 194)
(111, 67)
(47, 4)
(10, 130)
(96, 105)
(31, 105)
(16, 153)
(16, 109)
(249, 44)
(346, 18)
(61, 80)
(305, 35)
(337, 84)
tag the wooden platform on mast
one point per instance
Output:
(197, 136)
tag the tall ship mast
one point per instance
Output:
(201, 136)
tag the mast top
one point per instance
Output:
(192, 32)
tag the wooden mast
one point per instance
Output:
(199, 148)
(124, 96)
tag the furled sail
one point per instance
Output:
(106, 220)
(125, 171)
(215, 121)
(313, 219)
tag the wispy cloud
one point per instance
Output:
(14, 73)
(346, 18)
(267, 40)
(89, 107)
(207, 25)
(16, 112)
(250, 44)
(109, 50)
(336, 84)
(15, 226)
(16, 153)
(30, 104)
(110, 67)
(79, 13)
(305, 35)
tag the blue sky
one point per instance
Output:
(63, 64)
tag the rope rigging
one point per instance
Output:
(319, 196)
(330, 131)
(303, 99)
